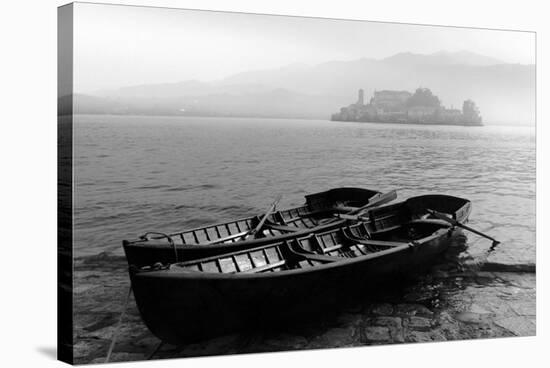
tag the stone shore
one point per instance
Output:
(452, 303)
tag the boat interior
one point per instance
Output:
(312, 215)
(315, 249)
(278, 223)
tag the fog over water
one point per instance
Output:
(151, 61)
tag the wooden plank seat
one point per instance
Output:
(321, 258)
(331, 248)
(266, 267)
(224, 239)
(300, 218)
(379, 243)
(284, 228)
(430, 221)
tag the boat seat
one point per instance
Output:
(288, 229)
(322, 258)
(331, 248)
(430, 221)
(266, 267)
(379, 243)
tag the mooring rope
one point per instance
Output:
(154, 352)
(170, 240)
(115, 333)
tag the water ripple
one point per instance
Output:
(209, 170)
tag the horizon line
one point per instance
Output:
(381, 59)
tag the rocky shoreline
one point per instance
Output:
(453, 302)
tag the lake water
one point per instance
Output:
(138, 174)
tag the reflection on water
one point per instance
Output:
(138, 174)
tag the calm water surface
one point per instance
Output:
(138, 174)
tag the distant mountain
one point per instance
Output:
(443, 58)
(503, 92)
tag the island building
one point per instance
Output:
(420, 107)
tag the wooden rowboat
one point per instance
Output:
(317, 213)
(284, 279)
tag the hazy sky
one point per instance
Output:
(119, 46)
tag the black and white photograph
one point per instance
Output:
(236, 183)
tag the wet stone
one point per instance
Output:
(221, 345)
(413, 310)
(387, 321)
(448, 326)
(348, 319)
(382, 309)
(420, 296)
(287, 342)
(519, 326)
(524, 306)
(340, 336)
(440, 274)
(488, 304)
(420, 336)
(84, 348)
(335, 337)
(120, 357)
(497, 307)
(377, 333)
(107, 320)
(484, 276)
(522, 280)
(83, 288)
(147, 342)
(470, 317)
(394, 325)
(419, 323)
(475, 308)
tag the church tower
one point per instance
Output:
(361, 97)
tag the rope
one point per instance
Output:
(170, 240)
(154, 352)
(115, 333)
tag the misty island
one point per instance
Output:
(403, 107)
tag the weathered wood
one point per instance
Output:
(292, 279)
(266, 267)
(322, 258)
(377, 243)
(287, 229)
(227, 238)
(331, 248)
(380, 219)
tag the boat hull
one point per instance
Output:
(184, 307)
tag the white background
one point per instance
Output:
(28, 182)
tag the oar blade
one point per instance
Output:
(457, 223)
(378, 201)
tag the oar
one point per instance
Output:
(453, 222)
(264, 218)
(381, 199)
